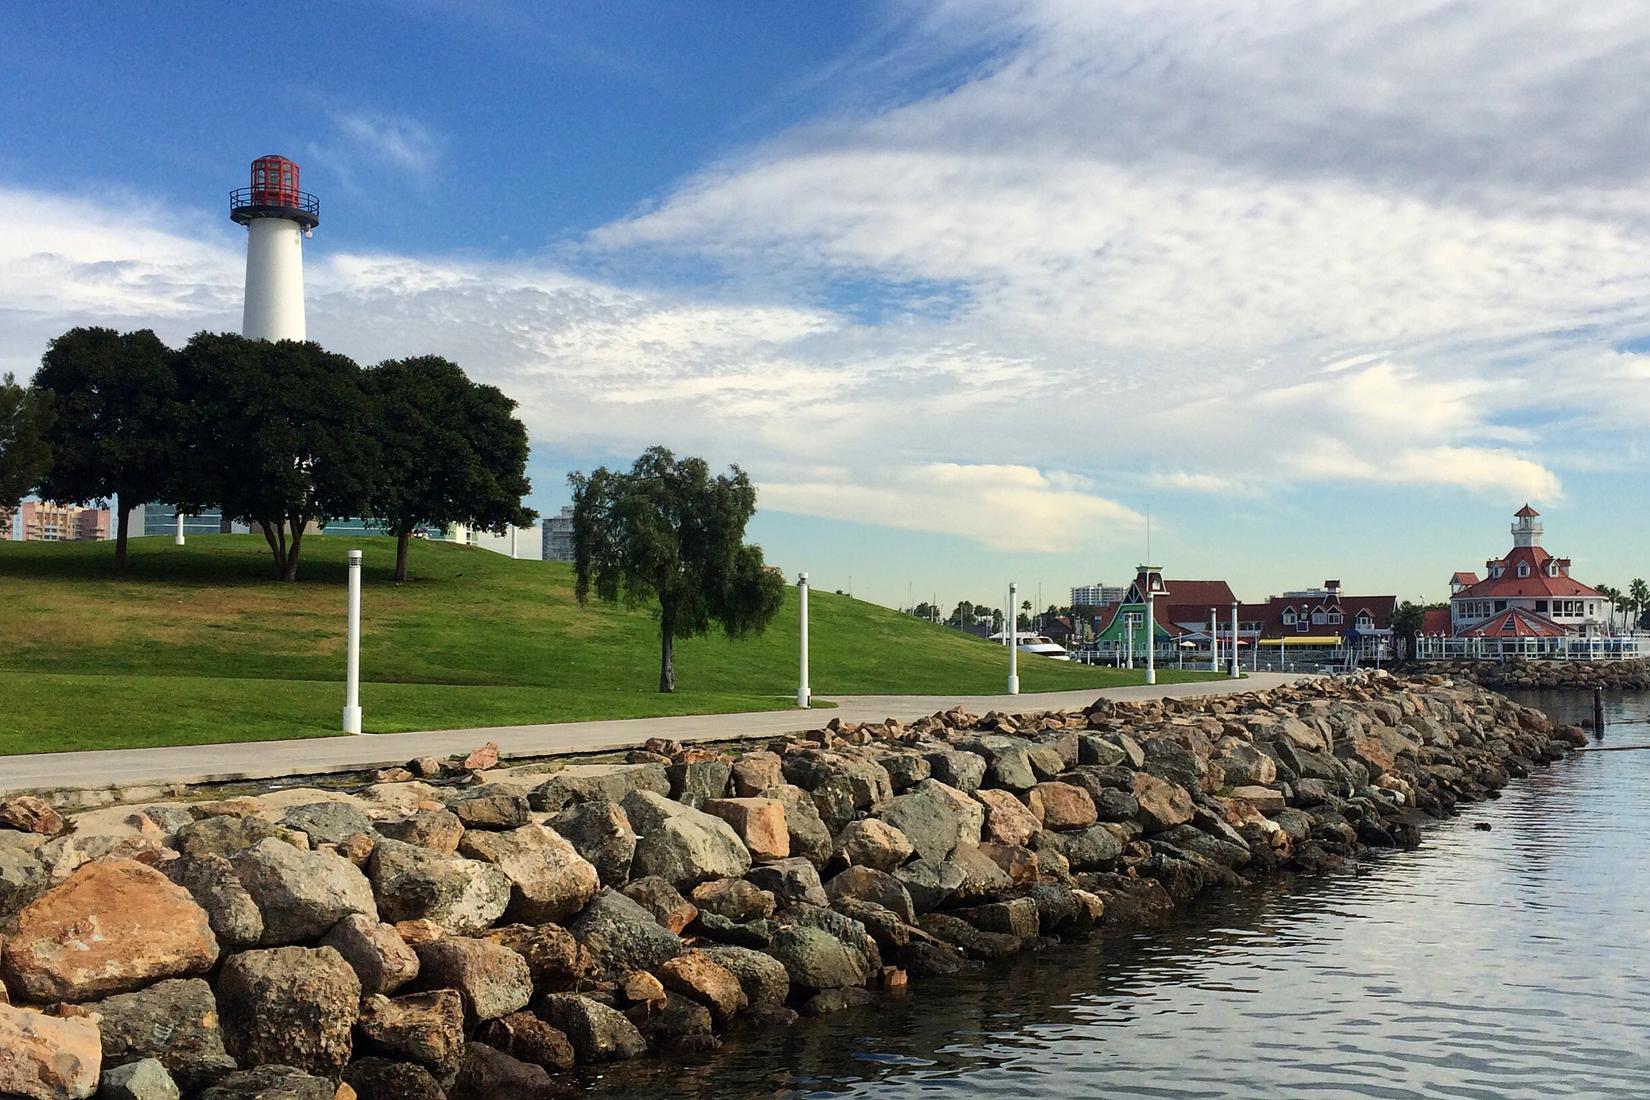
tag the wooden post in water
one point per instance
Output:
(1598, 713)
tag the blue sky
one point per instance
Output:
(969, 288)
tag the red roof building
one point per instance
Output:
(1528, 593)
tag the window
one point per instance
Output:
(1319, 617)
(1138, 618)
(1364, 622)
(1523, 569)
(1552, 568)
(1289, 617)
(1541, 607)
(1302, 626)
(1335, 618)
(1500, 606)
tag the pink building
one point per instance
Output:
(44, 521)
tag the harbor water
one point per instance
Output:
(1491, 964)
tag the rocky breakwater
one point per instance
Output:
(485, 932)
(1520, 673)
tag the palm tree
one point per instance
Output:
(1614, 595)
(1639, 593)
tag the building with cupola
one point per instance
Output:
(1526, 594)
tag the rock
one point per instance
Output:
(1019, 863)
(809, 837)
(488, 1074)
(790, 880)
(549, 880)
(872, 843)
(1175, 763)
(961, 770)
(905, 768)
(223, 835)
(973, 942)
(301, 894)
(593, 782)
(463, 896)
(437, 830)
(1092, 849)
(1163, 805)
(481, 759)
(427, 1028)
(1111, 804)
(493, 980)
(929, 882)
(759, 823)
(755, 772)
(981, 877)
(1008, 761)
(699, 781)
(601, 833)
(30, 814)
(680, 844)
(1094, 749)
(289, 1006)
(112, 927)
(1062, 806)
(327, 822)
(762, 977)
(1058, 906)
(272, 1082)
(696, 975)
(735, 899)
(617, 936)
(640, 987)
(664, 901)
(935, 818)
(828, 1001)
(22, 879)
(144, 1080)
(46, 1058)
(382, 1079)
(1264, 799)
(174, 1021)
(877, 887)
(1243, 764)
(490, 807)
(527, 1038)
(817, 960)
(1007, 819)
(381, 959)
(598, 1033)
(552, 953)
(212, 882)
(1017, 917)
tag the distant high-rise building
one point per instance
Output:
(44, 521)
(558, 536)
(1097, 594)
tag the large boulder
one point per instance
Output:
(524, 1036)
(696, 782)
(385, 1079)
(549, 879)
(815, 959)
(113, 926)
(301, 894)
(957, 768)
(617, 936)
(487, 1073)
(931, 883)
(753, 772)
(144, 1080)
(1163, 805)
(437, 830)
(492, 979)
(551, 952)
(463, 896)
(789, 880)
(810, 838)
(872, 843)
(935, 818)
(682, 845)
(598, 1033)
(211, 880)
(734, 898)
(1092, 849)
(46, 1058)
(326, 822)
(763, 977)
(1062, 806)
(289, 1006)
(490, 807)
(593, 782)
(759, 823)
(601, 833)
(375, 951)
(22, 877)
(1007, 819)
(1243, 764)
(30, 814)
(272, 1082)
(174, 1021)
(1008, 761)
(223, 835)
(872, 885)
(697, 975)
(427, 1028)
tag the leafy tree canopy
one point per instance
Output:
(26, 416)
(668, 532)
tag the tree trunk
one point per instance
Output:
(122, 526)
(402, 538)
(290, 571)
(667, 656)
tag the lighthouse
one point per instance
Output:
(278, 215)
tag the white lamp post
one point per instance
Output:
(1013, 642)
(1128, 632)
(177, 539)
(352, 665)
(1151, 633)
(803, 695)
(1214, 642)
(1236, 671)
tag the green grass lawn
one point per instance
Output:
(196, 645)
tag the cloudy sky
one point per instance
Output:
(971, 289)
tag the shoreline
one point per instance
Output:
(551, 921)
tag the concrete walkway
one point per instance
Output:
(251, 760)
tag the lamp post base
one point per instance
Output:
(1014, 685)
(804, 699)
(352, 719)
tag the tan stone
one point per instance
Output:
(1019, 863)
(638, 986)
(872, 843)
(1062, 806)
(760, 823)
(30, 814)
(1163, 805)
(1007, 820)
(480, 759)
(706, 981)
(755, 772)
(114, 926)
(47, 1058)
(1264, 799)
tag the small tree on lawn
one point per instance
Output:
(450, 451)
(280, 437)
(115, 432)
(668, 532)
(26, 415)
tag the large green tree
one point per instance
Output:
(1638, 594)
(26, 415)
(280, 436)
(115, 434)
(450, 451)
(668, 532)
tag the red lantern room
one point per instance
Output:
(274, 194)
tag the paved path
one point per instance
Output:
(321, 755)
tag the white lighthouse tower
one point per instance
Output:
(278, 216)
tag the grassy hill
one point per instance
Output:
(196, 645)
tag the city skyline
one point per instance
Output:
(970, 293)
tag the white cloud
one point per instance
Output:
(392, 141)
(1476, 469)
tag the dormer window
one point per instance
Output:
(1364, 621)
(1523, 569)
(1552, 568)
(1289, 617)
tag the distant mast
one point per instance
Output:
(278, 216)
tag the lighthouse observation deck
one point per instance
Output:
(274, 194)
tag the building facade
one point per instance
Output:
(1526, 594)
(43, 521)
(558, 536)
(1097, 594)
(1322, 624)
(1180, 612)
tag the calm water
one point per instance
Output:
(1510, 963)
